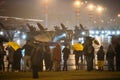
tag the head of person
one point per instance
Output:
(79, 42)
(101, 47)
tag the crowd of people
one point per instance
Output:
(36, 52)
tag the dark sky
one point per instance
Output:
(59, 10)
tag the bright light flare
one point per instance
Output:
(18, 32)
(100, 9)
(119, 15)
(118, 32)
(24, 36)
(47, 2)
(91, 7)
(18, 41)
(77, 4)
(83, 33)
(1, 32)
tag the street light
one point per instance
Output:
(118, 19)
(100, 9)
(91, 7)
(118, 15)
(77, 5)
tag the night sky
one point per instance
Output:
(58, 11)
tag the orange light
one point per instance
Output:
(77, 4)
(91, 7)
(100, 9)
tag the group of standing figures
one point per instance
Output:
(112, 55)
(36, 52)
(14, 58)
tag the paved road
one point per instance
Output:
(69, 75)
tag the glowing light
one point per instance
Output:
(119, 15)
(64, 34)
(97, 32)
(77, 4)
(113, 32)
(83, 33)
(24, 36)
(47, 2)
(81, 40)
(92, 32)
(103, 32)
(100, 9)
(118, 32)
(86, 2)
(18, 32)
(18, 41)
(62, 41)
(1, 32)
(91, 7)
(23, 52)
(109, 32)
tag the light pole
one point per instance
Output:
(77, 5)
(118, 19)
(45, 4)
(91, 8)
(99, 10)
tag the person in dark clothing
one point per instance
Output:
(66, 52)
(77, 56)
(35, 60)
(2, 53)
(17, 59)
(10, 58)
(27, 62)
(47, 58)
(100, 58)
(78, 51)
(110, 57)
(89, 55)
(41, 58)
(118, 56)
